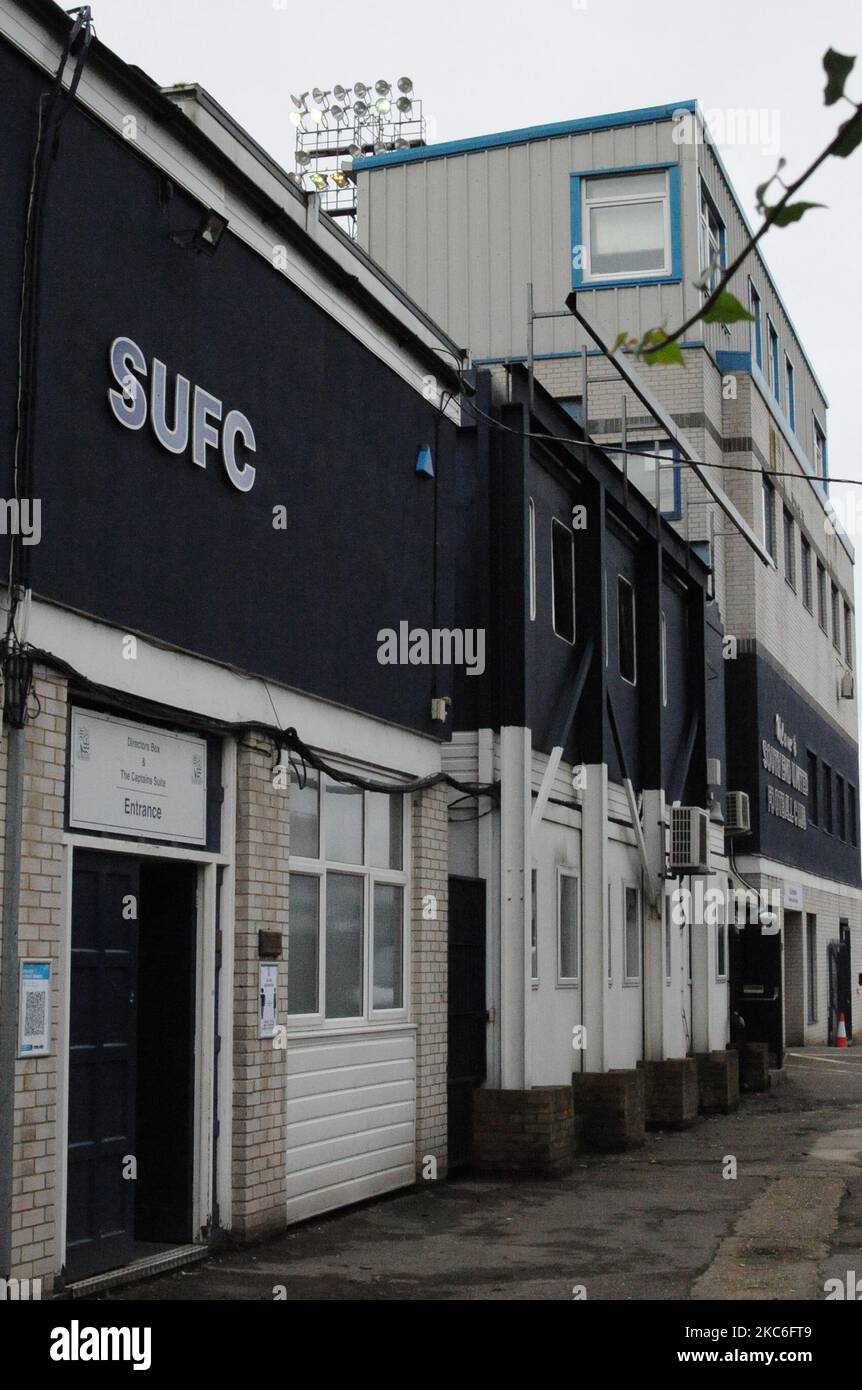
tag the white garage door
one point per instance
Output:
(351, 1119)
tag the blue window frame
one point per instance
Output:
(790, 391)
(821, 458)
(637, 220)
(773, 359)
(757, 326)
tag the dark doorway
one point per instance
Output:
(131, 1077)
(755, 989)
(840, 983)
(468, 1015)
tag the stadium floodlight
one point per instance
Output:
(383, 106)
(339, 178)
(316, 115)
(383, 88)
(303, 158)
(296, 119)
(354, 151)
(340, 93)
(299, 102)
(404, 105)
(360, 109)
(338, 113)
(319, 181)
(319, 96)
(360, 89)
(405, 86)
(296, 178)
(401, 143)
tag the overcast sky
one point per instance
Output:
(486, 65)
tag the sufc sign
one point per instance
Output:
(131, 779)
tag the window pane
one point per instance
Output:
(627, 237)
(568, 908)
(304, 929)
(343, 823)
(388, 946)
(627, 185)
(343, 946)
(385, 820)
(564, 581)
(305, 815)
(626, 629)
(632, 939)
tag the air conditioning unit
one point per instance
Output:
(738, 819)
(847, 686)
(689, 840)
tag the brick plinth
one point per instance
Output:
(523, 1133)
(718, 1080)
(610, 1109)
(753, 1066)
(671, 1092)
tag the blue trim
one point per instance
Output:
(578, 281)
(732, 361)
(552, 356)
(639, 116)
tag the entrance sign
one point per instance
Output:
(136, 780)
(34, 1008)
(268, 1007)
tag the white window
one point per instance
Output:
(568, 927)
(632, 935)
(348, 896)
(626, 220)
(711, 244)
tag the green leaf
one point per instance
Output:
(653, 356)
(621, 341)
(726, 309)
(848, 137)
(791, 213)
(838, 68)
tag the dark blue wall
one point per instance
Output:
(153, 543)
(755, 694)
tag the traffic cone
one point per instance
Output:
(841, 1039)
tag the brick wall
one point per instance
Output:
(34, 1171)
(259, 1176)
(429, 972)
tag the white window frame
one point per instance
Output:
(773, 364)
(568, 871)
(534, 925)
(721, 934)
(632, 981)
(621, 200)
(555, 521)
(610, 935)
(706, 241)
(621, 578)
(371, 875)
(531, 535)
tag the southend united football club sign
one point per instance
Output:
(779, 759)
(197, 418)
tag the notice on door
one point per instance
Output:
(136, 780)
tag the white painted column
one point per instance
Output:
(594, 870)
(515, 904)
(655, 993)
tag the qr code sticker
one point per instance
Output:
(34, 1013)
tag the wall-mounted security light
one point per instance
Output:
(209, 231)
